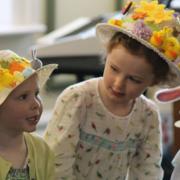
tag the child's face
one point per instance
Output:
(126, 76)
(22, 109)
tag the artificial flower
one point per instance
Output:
(15, 66)
(11, 72)
(139, 15)
(6, 79)
(171, 47)
(115, 22)
(158, 37)
(148, 7)
(159, 15)
(141, 30)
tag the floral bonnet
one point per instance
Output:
(152, 25)
(14, 70)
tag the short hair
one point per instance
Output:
(161, 69)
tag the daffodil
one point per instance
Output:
(158, 37)
(171, 47)
(159, 15)
(6, 79)
(147, 7)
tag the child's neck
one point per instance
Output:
(119, 109)
(13, 149)
(9, 140)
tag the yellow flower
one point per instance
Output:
(171, 47)
(147, 7)
(6, 79)
(159, 15)
(158, 37)
(116, 22)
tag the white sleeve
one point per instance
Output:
(62, 133)
(146, 163)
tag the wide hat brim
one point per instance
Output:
(43, 75)
(106, 31)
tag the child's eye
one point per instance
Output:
(135, 80)
(23, 97)
(113, 68)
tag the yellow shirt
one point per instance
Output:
(40, 160)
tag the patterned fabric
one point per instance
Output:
(18, 174)
(40, 161)
(92, 143)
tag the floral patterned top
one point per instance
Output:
(92, 143)
(18, 174)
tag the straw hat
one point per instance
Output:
(14, 70)
(153, 26)
(169, 95)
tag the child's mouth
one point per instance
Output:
(118, 94)
(33, 119)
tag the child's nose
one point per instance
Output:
(119, 83)
(35, 104)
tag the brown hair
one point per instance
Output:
(160, 67)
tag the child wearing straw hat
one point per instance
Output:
(22, 155)
(171, 95)
(105, 128)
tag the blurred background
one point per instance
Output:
(62, 31)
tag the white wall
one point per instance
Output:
(26, 12)
(69, 10)
(20, 12)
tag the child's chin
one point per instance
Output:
(29, 130)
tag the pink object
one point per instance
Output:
(168, 95)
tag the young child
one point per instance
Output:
(104, 128)
(171, 95)
(22, 154)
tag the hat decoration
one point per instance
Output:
(152, 22)
(169, 95)
(152, 25)
(15, 69)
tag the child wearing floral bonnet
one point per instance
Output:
(22, 155)
(105, 128)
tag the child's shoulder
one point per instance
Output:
(148, 103)
(34, 140)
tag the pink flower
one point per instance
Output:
(141, 30)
